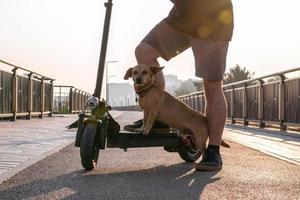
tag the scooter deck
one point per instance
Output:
(129, 139)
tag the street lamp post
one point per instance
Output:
(107, 82)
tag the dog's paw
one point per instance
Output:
(146, 131)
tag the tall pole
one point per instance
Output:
(101, 65)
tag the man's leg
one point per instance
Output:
(215, 110)
(165, 42)
(210, 61)
(162, 41)
(146, 54)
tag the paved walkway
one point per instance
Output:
(282, 145)
(24, 142)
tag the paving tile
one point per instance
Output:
(25, 141)
(281, 146)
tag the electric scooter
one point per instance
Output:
(98, 130)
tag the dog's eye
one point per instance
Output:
(134, 72)
(144, 72)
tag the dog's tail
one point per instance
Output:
(224, 144)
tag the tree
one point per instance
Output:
(186, 87)
(172, 83)
(198, 85)
(237, 73)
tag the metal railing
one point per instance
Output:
(68, 99)
(127, 108)
(257, 100)
(24, 95)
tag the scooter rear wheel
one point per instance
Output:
(89, 151)
(189, 153)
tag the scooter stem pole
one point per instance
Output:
(101, 64)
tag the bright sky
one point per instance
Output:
(61, 38)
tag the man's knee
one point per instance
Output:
(213, 88)
(146, 54)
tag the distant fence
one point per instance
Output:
(68, 99)
(271, 99)
(256, 100)
(24, 95)
(127, 108)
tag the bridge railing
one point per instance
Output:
(260, 100)
(68, 99)
(24, 95)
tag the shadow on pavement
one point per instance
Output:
(179, 181)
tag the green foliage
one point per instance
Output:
(237, 73)
(186, 87)
(198, 85)
(64, 110)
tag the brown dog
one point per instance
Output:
(161, 106)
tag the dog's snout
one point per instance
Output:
(139, 80)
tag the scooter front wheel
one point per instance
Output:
(89, 151)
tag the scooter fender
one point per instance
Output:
(100, 139)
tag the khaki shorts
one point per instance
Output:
(210, 56)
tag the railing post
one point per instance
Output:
(245, 105)
(232, 106)
(30, 95)
(80, 100)
(51, 98)
(14, 94)
(85, 98)
(60, 101)
(281, 102)
(83, 102)
(77, 100)
(195, 102)
(42, 97)
(200, 102)
(71, 100)
(203, 102)
(227, 100)
(261, 104)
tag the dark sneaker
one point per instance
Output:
(211, 161)
(157, 126)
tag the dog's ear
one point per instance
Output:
(155, 69)
(128, 74)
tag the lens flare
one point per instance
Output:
(203, 31)
(225, 16)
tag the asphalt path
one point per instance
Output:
(152, 173)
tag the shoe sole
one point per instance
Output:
(207, 168)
